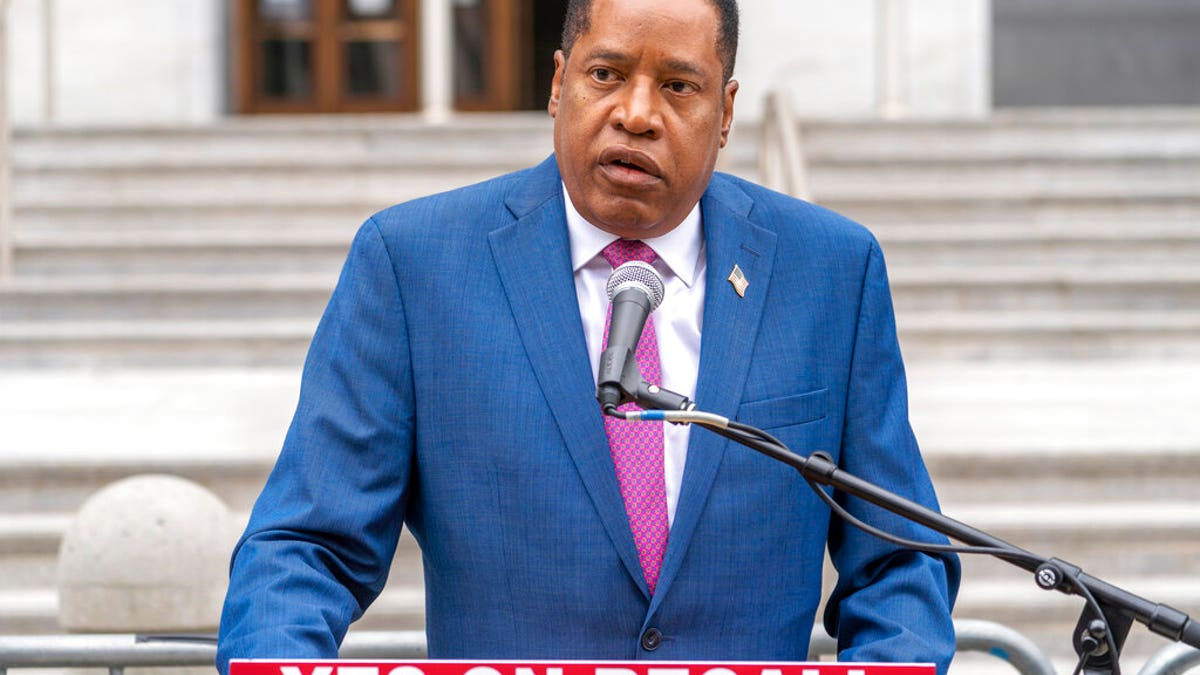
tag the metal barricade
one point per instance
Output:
(117, 652)
(782, 164)
(1173, 659)
(972, 635)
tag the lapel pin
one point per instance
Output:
(738, 280)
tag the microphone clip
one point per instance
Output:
(613, 391)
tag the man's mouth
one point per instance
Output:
(627, 165)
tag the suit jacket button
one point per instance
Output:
(651, 639)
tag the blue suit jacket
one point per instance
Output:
(448, 388)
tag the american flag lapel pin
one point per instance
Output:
(738, 280)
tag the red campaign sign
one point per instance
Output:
(353, 667)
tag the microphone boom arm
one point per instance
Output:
(1050, 573)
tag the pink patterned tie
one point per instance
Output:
(637, 447)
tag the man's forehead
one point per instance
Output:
(608, 16)
(623, 31)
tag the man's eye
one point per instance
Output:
(602, 74)
(680, 87)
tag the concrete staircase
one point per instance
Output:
(1032, 235)
(214, 245)
(1044, 266)
(1094, 463)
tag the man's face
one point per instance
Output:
(640, 113)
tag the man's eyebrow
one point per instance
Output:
(685, 67)
(608, 55)
(675, 65)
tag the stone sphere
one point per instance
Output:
(146, 554)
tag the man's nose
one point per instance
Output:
(638, 111)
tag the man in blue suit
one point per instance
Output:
(450, 388)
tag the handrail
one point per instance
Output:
(781, 161)
(1174, 659)
(6, 246)
(972, 635)
(117, 652)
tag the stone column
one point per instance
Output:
(437, 60)
(6, 253)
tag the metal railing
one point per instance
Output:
(1174, 659)
(782, 165)
(118, 652)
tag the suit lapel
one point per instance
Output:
(729, 330)
(532, 256)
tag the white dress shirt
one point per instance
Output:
(677, 321)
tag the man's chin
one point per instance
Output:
(630, 216)
(629, 220)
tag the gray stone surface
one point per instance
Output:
(145, 554)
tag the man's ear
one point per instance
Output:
(731, 89)
(560, 64)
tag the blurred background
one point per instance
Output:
(180, 180)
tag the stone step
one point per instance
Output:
(246, 342)
(29, 611)
(1167, 288)
(911, 180)
(827, 148)
(29, 598)
(298, 184)
(1028, 246)
(260, 249)
(1117, 537)
(30, 534)
(40, 495)
(309, 212)
(1002, 136)
(35, 611)
(132, 216)
(924, 336)
(46, 482)
(199, 296)
(1006, 179)
(1083, 210)
(398, 140)
(175, 251)
(972, 480)
(991, 590)
(1048, 618)
(280, 342)
(1171, 290)
(1166, 534)
(1006, 134)
(1012, 335)
(1130, 539)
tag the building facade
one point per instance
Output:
(100, 62)
(83, 62)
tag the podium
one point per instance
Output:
(365, 667)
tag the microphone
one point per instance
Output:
(635, 290)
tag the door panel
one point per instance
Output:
(327, 56)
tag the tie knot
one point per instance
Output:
(622, 251)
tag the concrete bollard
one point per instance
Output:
(146, 554)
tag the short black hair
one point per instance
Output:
(579, 13)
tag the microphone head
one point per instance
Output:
(639, 275)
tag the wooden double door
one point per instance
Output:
(347, 56)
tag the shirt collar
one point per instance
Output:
(678, 249)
